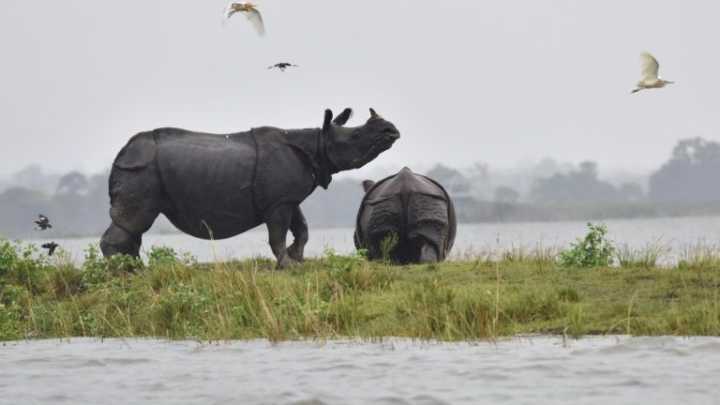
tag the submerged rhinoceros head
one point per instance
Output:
(353, 147)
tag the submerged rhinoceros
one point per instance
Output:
(217, 186)
(411, 212)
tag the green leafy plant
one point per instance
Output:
(162, 256)
(346, 263)
(8, 256)
(97, 269)
(387, 245)
(594, 250)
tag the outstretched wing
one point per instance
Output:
(230, 10)
(256, 19)
(650, 67)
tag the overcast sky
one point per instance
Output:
(502, 82)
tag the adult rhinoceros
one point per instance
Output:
(217, 186)
(412, 208)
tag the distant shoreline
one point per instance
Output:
(168, 230)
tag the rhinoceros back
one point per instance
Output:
(138, 153)
(208, 180)
(410, 205)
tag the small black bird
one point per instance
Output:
(43, 223)
(50, 246)
(282, 66)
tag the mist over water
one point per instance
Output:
(465, 81)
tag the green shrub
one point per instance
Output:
(13, 300)
(8, 257)
(97, 269)
(162, 256)
(93, 268)
(345, 263)
(594, 250)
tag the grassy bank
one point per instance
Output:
(346, 296)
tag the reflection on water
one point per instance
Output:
(602, 370)
(673, 234)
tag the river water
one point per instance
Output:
(530, 370)
(673, 235)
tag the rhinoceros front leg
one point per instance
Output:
(299, 229)
(278, 223)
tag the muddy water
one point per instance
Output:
(607, 370)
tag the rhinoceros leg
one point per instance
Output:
(299, 229)
(135, 202)
(428, 253)
(278, 224)
(116, 241)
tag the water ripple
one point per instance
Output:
(530, 370)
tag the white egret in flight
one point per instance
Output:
(650, 78)
(251, 12)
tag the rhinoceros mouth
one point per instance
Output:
(376, 149)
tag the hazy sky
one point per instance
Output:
(500, 82)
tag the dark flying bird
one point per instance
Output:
(50, 246)
(282, 66)
(251, 12)
(43, 223)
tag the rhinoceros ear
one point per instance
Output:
(367, 185)
(343, 118)
(328, 120)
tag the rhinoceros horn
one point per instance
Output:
(373, 114)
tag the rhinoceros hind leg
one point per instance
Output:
(299, 229)
(278, 224)
(428, 254)
(116, 240)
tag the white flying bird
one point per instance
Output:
(650, 78)
(251, 12)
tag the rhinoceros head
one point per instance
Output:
(353, 147)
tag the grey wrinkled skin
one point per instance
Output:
(218, 186)
(413, 207)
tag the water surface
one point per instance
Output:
(536, 370)
(673, 235)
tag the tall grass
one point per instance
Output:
(346, 296)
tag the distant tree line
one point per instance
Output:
(78, 204)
